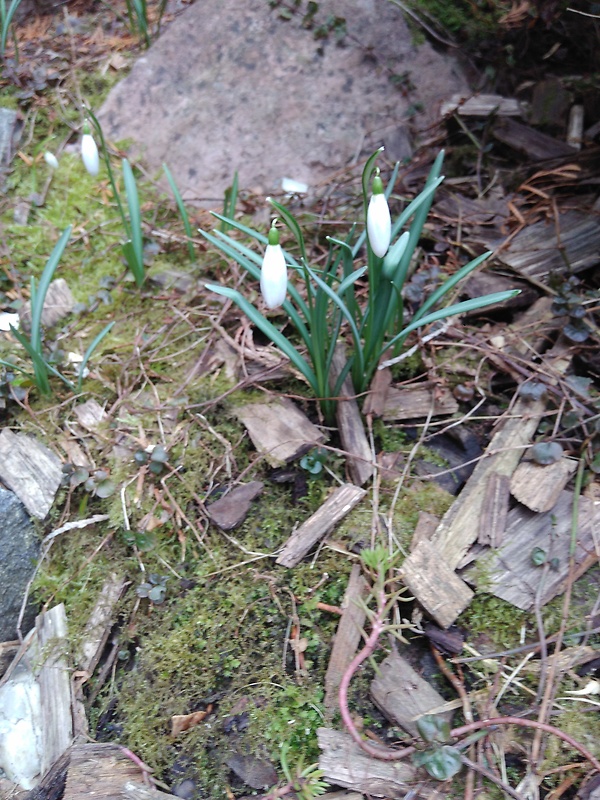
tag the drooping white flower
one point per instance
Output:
(379, 222)
(273, 274)
(51, 159)
(89, 152)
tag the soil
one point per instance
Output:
(207, 621)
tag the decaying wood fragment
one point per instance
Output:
(347, 636)
(536, 145)
(573, 238)
(434, 583)
(59, 302)
(54, 679)
(99, 770)
(279, 430)
(350, 425)
(133, 790)
(403, 695)
(378, 391)
(90, 414)
(459, 527)
(415, 401)
(334, 509)
(425, 528)
(482, 105)
(343, 795)
(494, 510)
(99, 623)
(344, 764)
(30, 470)
(538, 487)
(511, 573)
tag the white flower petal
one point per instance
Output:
(89, 154)
(273, 276)
(379, 224)
(51, 159)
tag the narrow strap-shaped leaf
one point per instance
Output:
(182, 212)
(292, 223)
(358, 351)
(458, 308)
(450, 284)
(39, 294)
(88, 353)
(111, 177)
(135, 218)
(263, 324)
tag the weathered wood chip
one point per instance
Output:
(434, 583)
(334, 509)
(230, 510)
(538, 487)
(413, 402)
(482, 105)
(30, 470)
(351, 427)
(279, 430)
(344, 764)
(494, 510)
(54, 679)
(510, 572)
(58, 303)
(347, 636)
(403, 695)
(537, 250)
(90, 414)
(99, 770)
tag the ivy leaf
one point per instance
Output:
(443, 763)
(433, 728)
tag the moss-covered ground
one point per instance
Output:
(218, 636)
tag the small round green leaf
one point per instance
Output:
(546, 453)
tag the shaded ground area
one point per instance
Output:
(214, 538)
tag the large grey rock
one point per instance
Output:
(231, 86)
(19, 549)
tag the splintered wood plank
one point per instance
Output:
(54, 680)
(90, 414)
(536, 145)
(425, 528)
(459, 527)
(344, 764)
(482, 105)
(412, 402)
(351, 426)
(434, 583)
(347, 636)
(335, 508)
(537, 250)
(403, 695)
(510, 571)
(494, 511)
(30, 470)
(539, 487)
(279, 430)
(99, 771)
(99, 623)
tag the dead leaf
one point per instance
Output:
(183, 722)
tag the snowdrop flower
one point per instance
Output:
(379, 222)
(51, 159)
(273, 275)
(89, 151)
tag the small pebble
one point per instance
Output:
(186, 789)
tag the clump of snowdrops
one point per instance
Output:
(324, 304)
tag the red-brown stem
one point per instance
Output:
(528, 723)
(377, 627)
